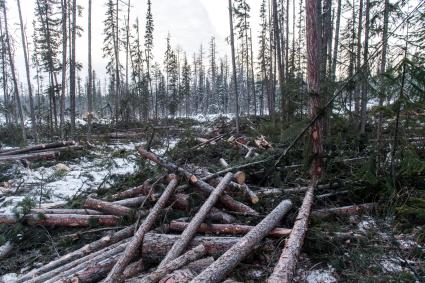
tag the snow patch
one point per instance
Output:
(322, 276)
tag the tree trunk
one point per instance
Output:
(72, 66)
(64, 67)
(230, 259)
(234, 229)
(190, 256)
(187, 235)
(132, 202)
(108, 207)
(336, 44)
(66, 211)
(186, 274)
(90, 113)
(235, 80)
(358, 60)
(28, 73)
(35, 148)
(133, 246)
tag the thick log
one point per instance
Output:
(180, 201)
(175, 264)
(230, 259)
(36, 148)
(189, 272)
(144, 189)
(155, 247)
(62, 220)
(226, 200)
(217, 215)
(233, 229)
(49, 155)
(108, 207)
(132, 202)
(130, 252)
(285, 268)
(187, 235)
(6, 249)
(344, 211)
(240, 177)
(66, 211)
(80, 253)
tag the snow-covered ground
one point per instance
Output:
(61, 181)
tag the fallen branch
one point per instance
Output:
(234, 229)
(225, 263)
(180, 245)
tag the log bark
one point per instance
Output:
(189, 272)
(234, 229)
(230, 259)
(108, 207)
(155, 247)
(66, 211)
(62, 220)
(217, 215)
(344, 211)
(285, 268)
(144, 189)
(132, 248)
(80, 253)
(187, 235)
(36, 148)
(201, 184)
(49, 155)
(175, 264)
(132, 202)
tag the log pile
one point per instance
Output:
(37, 152)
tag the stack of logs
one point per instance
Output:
(124, 255)
(37, 152)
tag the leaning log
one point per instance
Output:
(233, 229)
(80, 253)
(132, 249)
(108, 207)
(285, 268)
(230, 259)
(226, 200)
(175, 264)
(62, 220)
(187, 235)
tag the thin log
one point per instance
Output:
(285, 268)
(226, 200)
(36, 148)
(50, 155)
(233, 229)
(62, 220)
(108, 207)
(187, 235)
(80, 253)
(189, 272)
(132, 248)
(144, 189)
(175, 264)
(344, 211)
(230, 259)
(66, 211)
(131, 202)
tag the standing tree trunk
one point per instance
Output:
(336, 44)
(73, 66)
(279, 59)
(358, 60)
(13, 71)
(365, 71)
(28, 73)
(90, 82)
(64, 50)
(235, 81)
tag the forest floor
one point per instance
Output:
(385, 244)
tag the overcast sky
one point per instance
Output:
(190, 23)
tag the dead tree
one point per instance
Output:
(137, 240)
(224, 264)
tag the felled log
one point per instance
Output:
(6, 249)
(155, 247)
(344, 211)
(131, 202)
(233, 229)
(108, 207)
(132, 249)
(187, 273)
(267, 191)
(49, 155)
(223, 163)
(175, 264)
(240, 177)
(187, 235)
(36, 148)
(180, 201)
(66, 211)
(62, 220)
(81, 253)
(217, 215)
(144, 189)
(285, 268)
(225, 263)
(226, 200)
